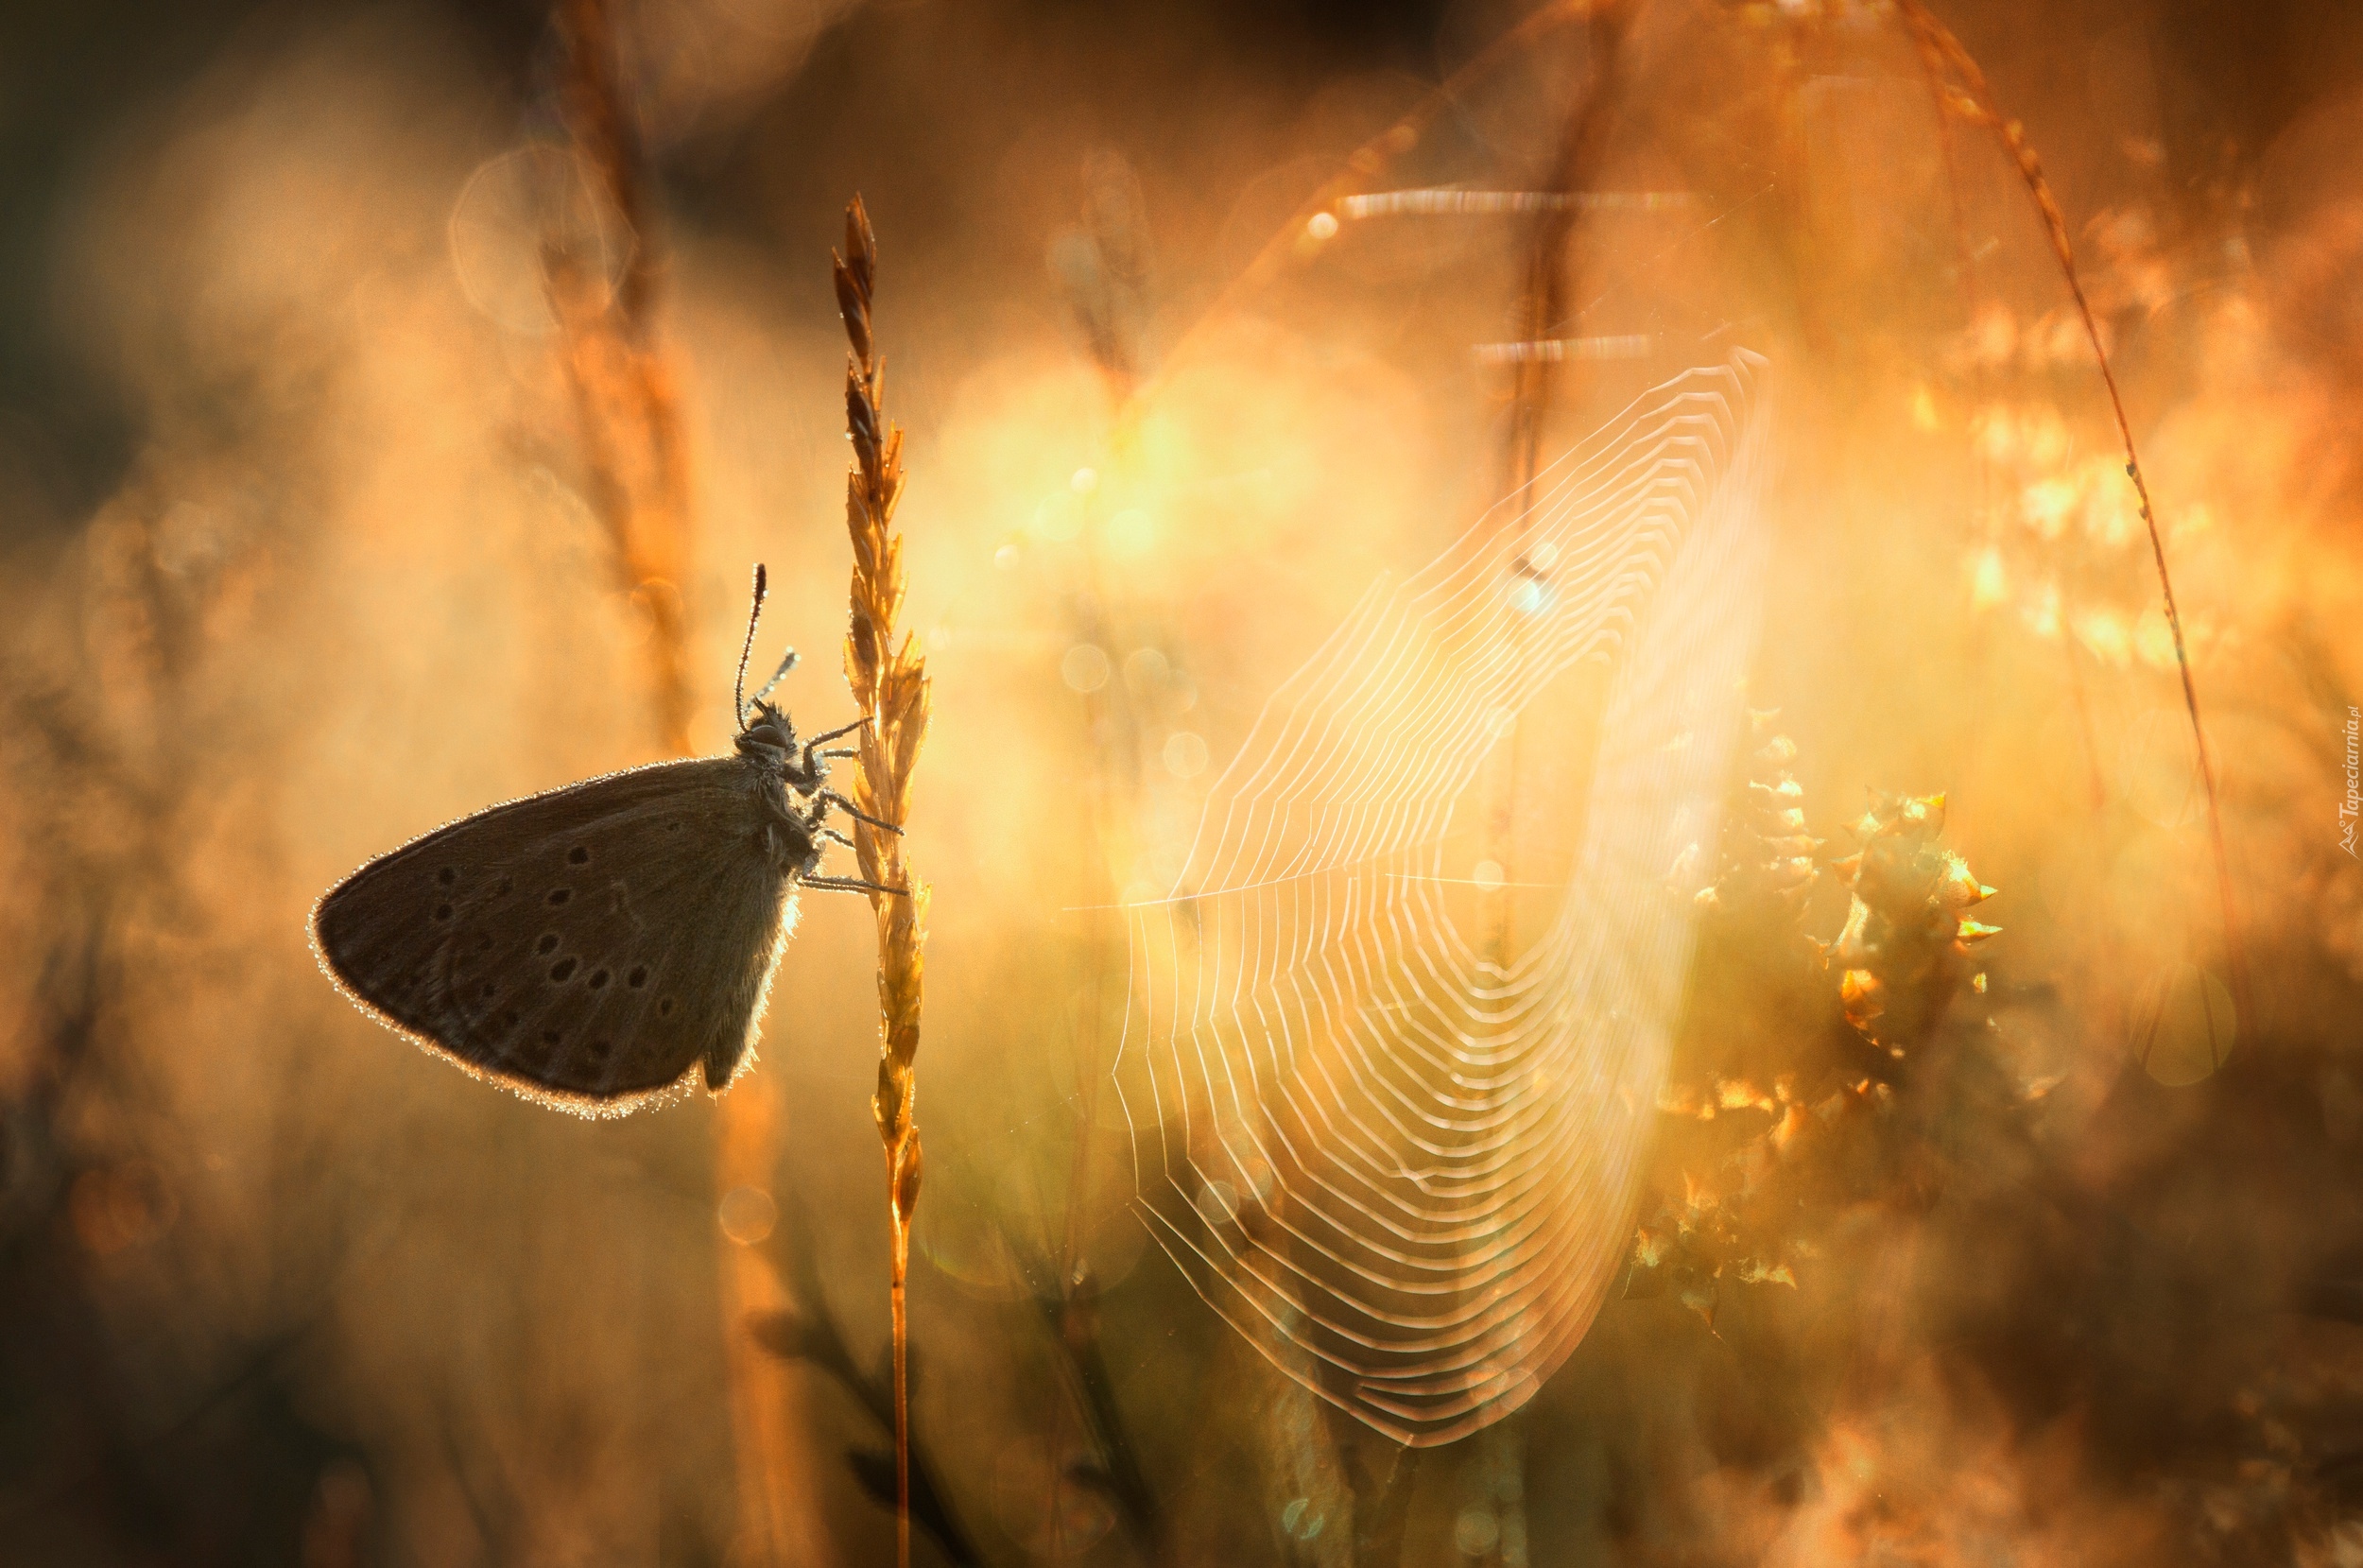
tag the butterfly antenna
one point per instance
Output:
(778, 675)
(738, 686)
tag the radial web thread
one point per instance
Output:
(1401, 1168)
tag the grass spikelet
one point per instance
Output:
(890, 682)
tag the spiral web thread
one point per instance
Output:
(1402, 1170)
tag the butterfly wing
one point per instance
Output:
(591, 945)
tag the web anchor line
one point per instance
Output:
(1402, 1169)
(1452, 201)
(1632, 345)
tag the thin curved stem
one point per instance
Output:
(1973, 99)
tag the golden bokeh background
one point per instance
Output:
(302, 559)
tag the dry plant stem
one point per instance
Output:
(1973, 99)
(627, 412)
(806, 1333)
(890, 682)
(626, 398)
(1582, 147)
(1541, 307)
(779, 1505)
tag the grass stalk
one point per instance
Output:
(779, 1505)
(1966, 93)
(627, 399)
(1543, 310)
(890, 683)
(637, 481)
(807, 1332)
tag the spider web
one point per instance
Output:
(1399, 1164)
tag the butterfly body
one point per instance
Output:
(595, 945)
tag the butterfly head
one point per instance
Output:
(765, 735)
(769, 741)
(768, 735)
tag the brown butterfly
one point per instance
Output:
(593, 946)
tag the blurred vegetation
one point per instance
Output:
(304, 556)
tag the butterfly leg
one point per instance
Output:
(812, 752)
(841, 730)
(849, 885)
(831, 797)
(832, 832)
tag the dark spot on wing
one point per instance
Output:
(503, 887)
(665, 1008)
(548, 943)
(489, 989)
(578, 856)
(448, 875)
(442, 911)
(559, 895)
(563, 970)
(638, 977)
(598, 978)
